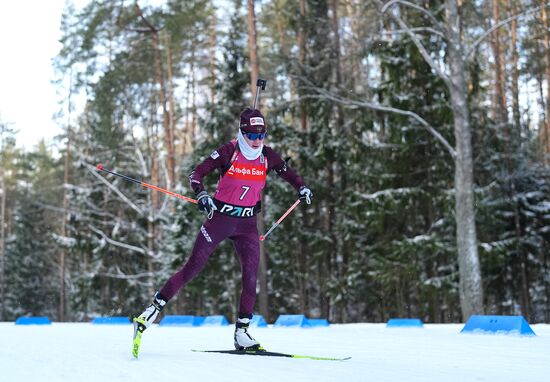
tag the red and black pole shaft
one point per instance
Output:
(263, 237)
(147, 185)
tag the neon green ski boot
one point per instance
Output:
(146, 319)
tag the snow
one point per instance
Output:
(86, 352)
(389, 193)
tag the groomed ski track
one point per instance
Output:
(85, 352)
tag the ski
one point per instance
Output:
(266, 353)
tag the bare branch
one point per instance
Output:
(419, 45)
(476, 43)
(414, 6)
(323, 94)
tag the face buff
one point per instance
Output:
(248, 152)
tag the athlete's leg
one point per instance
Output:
(247, 246)
(211, 233)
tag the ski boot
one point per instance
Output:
(243, 340)
(146, 319)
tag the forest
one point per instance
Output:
(421, 126)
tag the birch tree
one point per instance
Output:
(454, 76)
(471, 292)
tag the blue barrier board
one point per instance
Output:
(292, 320)
(258, 321)
(215, 321)
(181, 321)
(405, 323)
(499, 325)
(38, 320)
(318, 322)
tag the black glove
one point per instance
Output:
(206, 204)
(305, 194)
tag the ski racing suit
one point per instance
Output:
(238, 200)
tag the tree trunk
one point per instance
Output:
(62, 262)
(212, 57)
(303, 250)
(193, 131)
(168, 138)
(514, 84)
(499, 104)
(184, 146)
(546, 41)
(524, 263)
(252, 48)
(171, 127)
(302, 59)
(356, 77)
(254, 69)
(153, 197)
(283, 45)
(168, 134)
(471, 290)
(336, 170)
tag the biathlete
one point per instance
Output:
(243, 164)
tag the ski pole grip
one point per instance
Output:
(261, 83)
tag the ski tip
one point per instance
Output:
(99, 167)
(262, 237)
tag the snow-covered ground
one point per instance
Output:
(99, 353)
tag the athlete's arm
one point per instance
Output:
(217, 160)
(275, 162)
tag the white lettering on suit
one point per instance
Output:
(205, 234)
(226, 208)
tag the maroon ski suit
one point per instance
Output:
(233, 221)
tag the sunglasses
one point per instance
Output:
(254, 136)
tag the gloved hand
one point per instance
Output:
(305, 194)
(206, 204)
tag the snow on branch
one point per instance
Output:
(416, 30)
(122, 276)
(389, 193)
(122, 245)
(93, 170)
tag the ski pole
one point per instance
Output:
(263, 237)
(100, 168)
(260, 84)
